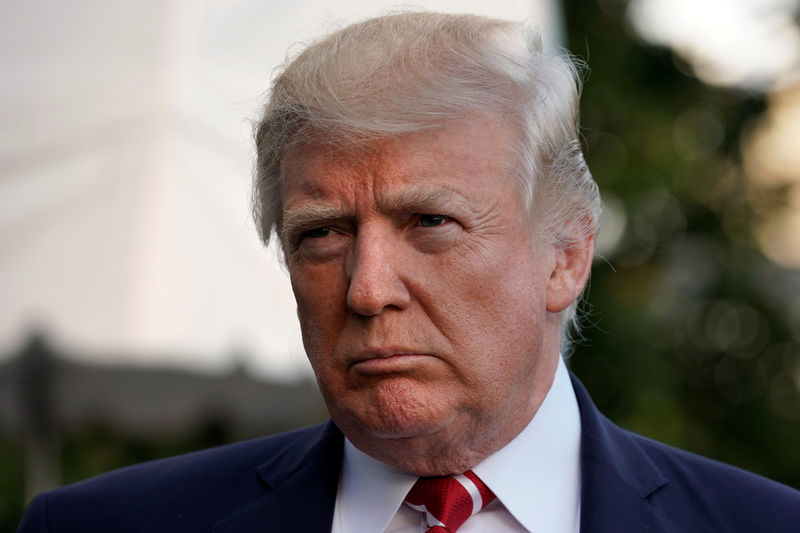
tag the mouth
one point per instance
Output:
(387, 360)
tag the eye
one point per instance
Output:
(321, 243)
(429, 221)
(316, 233)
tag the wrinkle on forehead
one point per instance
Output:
(374, 154)
(394, 174)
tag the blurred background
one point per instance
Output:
(140, 316)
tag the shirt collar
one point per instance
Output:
(370, 492)
(536, 476)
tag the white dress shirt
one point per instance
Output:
(536, 478)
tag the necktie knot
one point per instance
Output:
(448, 501)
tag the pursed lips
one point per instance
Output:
(385, 357)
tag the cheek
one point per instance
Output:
(492, 309)
(499, 285)
(320, 295)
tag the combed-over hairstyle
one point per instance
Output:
(409, 72)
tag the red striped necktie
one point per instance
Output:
(448, 501)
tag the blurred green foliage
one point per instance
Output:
(687, 334)
(11, 482)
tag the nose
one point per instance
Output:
(374, 271)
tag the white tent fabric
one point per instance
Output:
(125, 172)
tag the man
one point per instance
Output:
(424, 177)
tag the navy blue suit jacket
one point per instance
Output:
(288, 482)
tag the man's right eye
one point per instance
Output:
(316, 233)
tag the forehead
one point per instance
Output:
(460, 156)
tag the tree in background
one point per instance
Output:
(692, 332)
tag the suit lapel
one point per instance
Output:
(618, 478)
(300, 488)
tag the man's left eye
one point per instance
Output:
(428, 221)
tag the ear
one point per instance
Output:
(573, 262)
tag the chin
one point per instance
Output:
(393, 410)
(416, 446)
(396, 427)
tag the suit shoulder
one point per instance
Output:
(220, 461)
(195, 488)
(726, 494)
(681, 491)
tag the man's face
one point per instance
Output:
(421, 298)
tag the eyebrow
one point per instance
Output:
(302, 217)
(424, 198)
